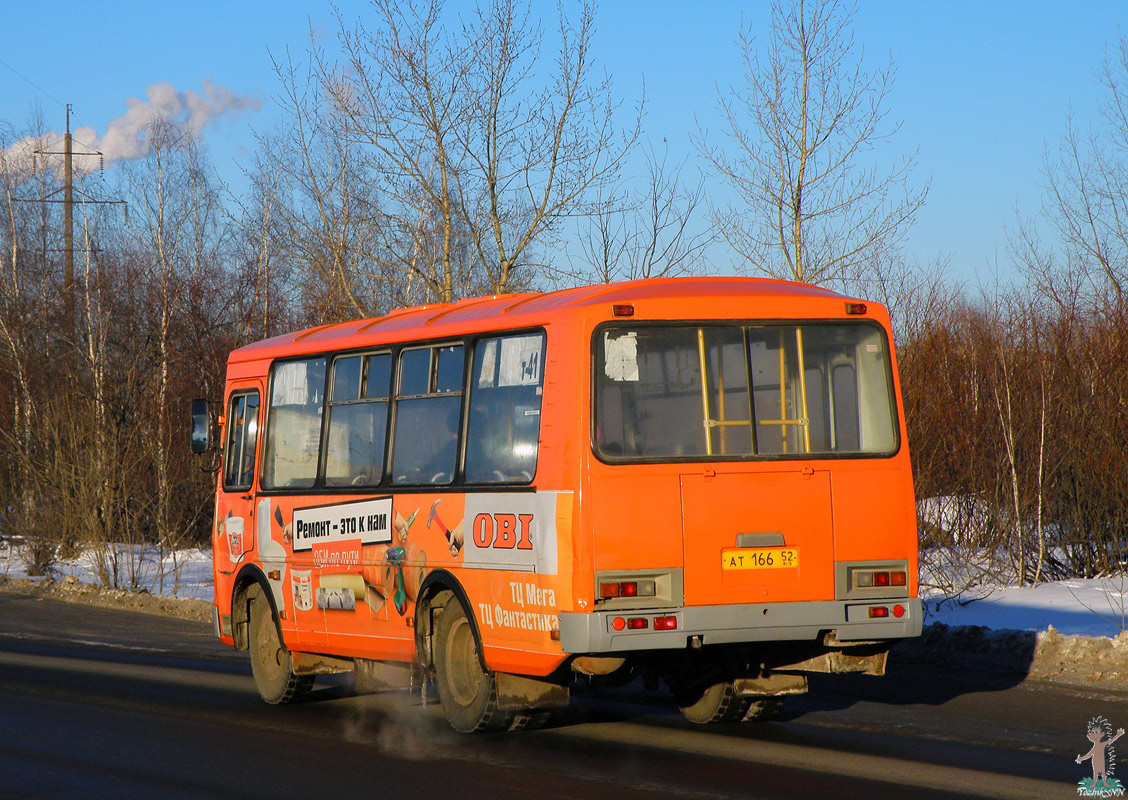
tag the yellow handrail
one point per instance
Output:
(802, 417)
(706, 423)
(805, 420)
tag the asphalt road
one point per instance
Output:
(98, 703)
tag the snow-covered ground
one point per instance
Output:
(1097, 607)
(183, 573)
(965, 586)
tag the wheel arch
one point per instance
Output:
(435, 586)
(248, 583)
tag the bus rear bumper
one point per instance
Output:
(851, 621)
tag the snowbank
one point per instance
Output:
(184, 574)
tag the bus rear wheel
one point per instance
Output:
(719, 702)
(762, 709)
(716, 702)
(467, 693)
(270, 660)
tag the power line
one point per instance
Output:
(39, 88)
(30, 82)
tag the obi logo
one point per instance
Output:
(503, 531)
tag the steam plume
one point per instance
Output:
(126, 137)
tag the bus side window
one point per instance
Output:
(358, 420)
(242, 436)
(293, 431)
(505, 405)
(428, 412)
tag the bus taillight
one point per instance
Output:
(864, 578)
(626, 589)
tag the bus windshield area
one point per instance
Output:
(730, 391)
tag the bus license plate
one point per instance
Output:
(760, 558)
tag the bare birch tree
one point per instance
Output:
(803, 137)
(27, 291)
(1085, 206)
(480, 148)
(651, 233)
(174, 241)
(323, 198)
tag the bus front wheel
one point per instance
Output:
(467, 693)
(270, 660)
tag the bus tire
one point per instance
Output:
(270, 660)
(717, 702)
(762, 709)
(530, 720)
(467, 693)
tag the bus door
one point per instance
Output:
(250, 527)
(759, 531)
(235, 509)
(757, 535)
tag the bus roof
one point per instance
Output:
(667, 298)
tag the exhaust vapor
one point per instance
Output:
(128, 136)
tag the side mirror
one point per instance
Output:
(201, 426)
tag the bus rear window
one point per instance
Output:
(739, 391)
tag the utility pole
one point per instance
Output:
(68, 215)
(68, 226)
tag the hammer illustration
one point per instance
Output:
(455, 543)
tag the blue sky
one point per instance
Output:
(981, 87)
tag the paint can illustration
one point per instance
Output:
(302, 583)
(233, 529)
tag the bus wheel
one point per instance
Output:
(762, 709)
(716, 702)
(468, 695)
(270, 660)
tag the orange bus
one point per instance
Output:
(702, 482)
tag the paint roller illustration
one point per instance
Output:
(454, 536)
